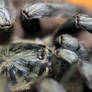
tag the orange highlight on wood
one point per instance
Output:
(84, 3)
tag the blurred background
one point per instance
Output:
(84, 3)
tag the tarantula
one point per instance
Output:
(22, 63)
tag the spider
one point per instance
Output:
(22, 63)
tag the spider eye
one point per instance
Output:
(41, 54)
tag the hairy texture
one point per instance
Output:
(40, 10)
(62, 61)
(23, 63)
(6, 17)
(69, 42)
(47, 85)
(6, 21)
(84, 22)
(86, 73)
